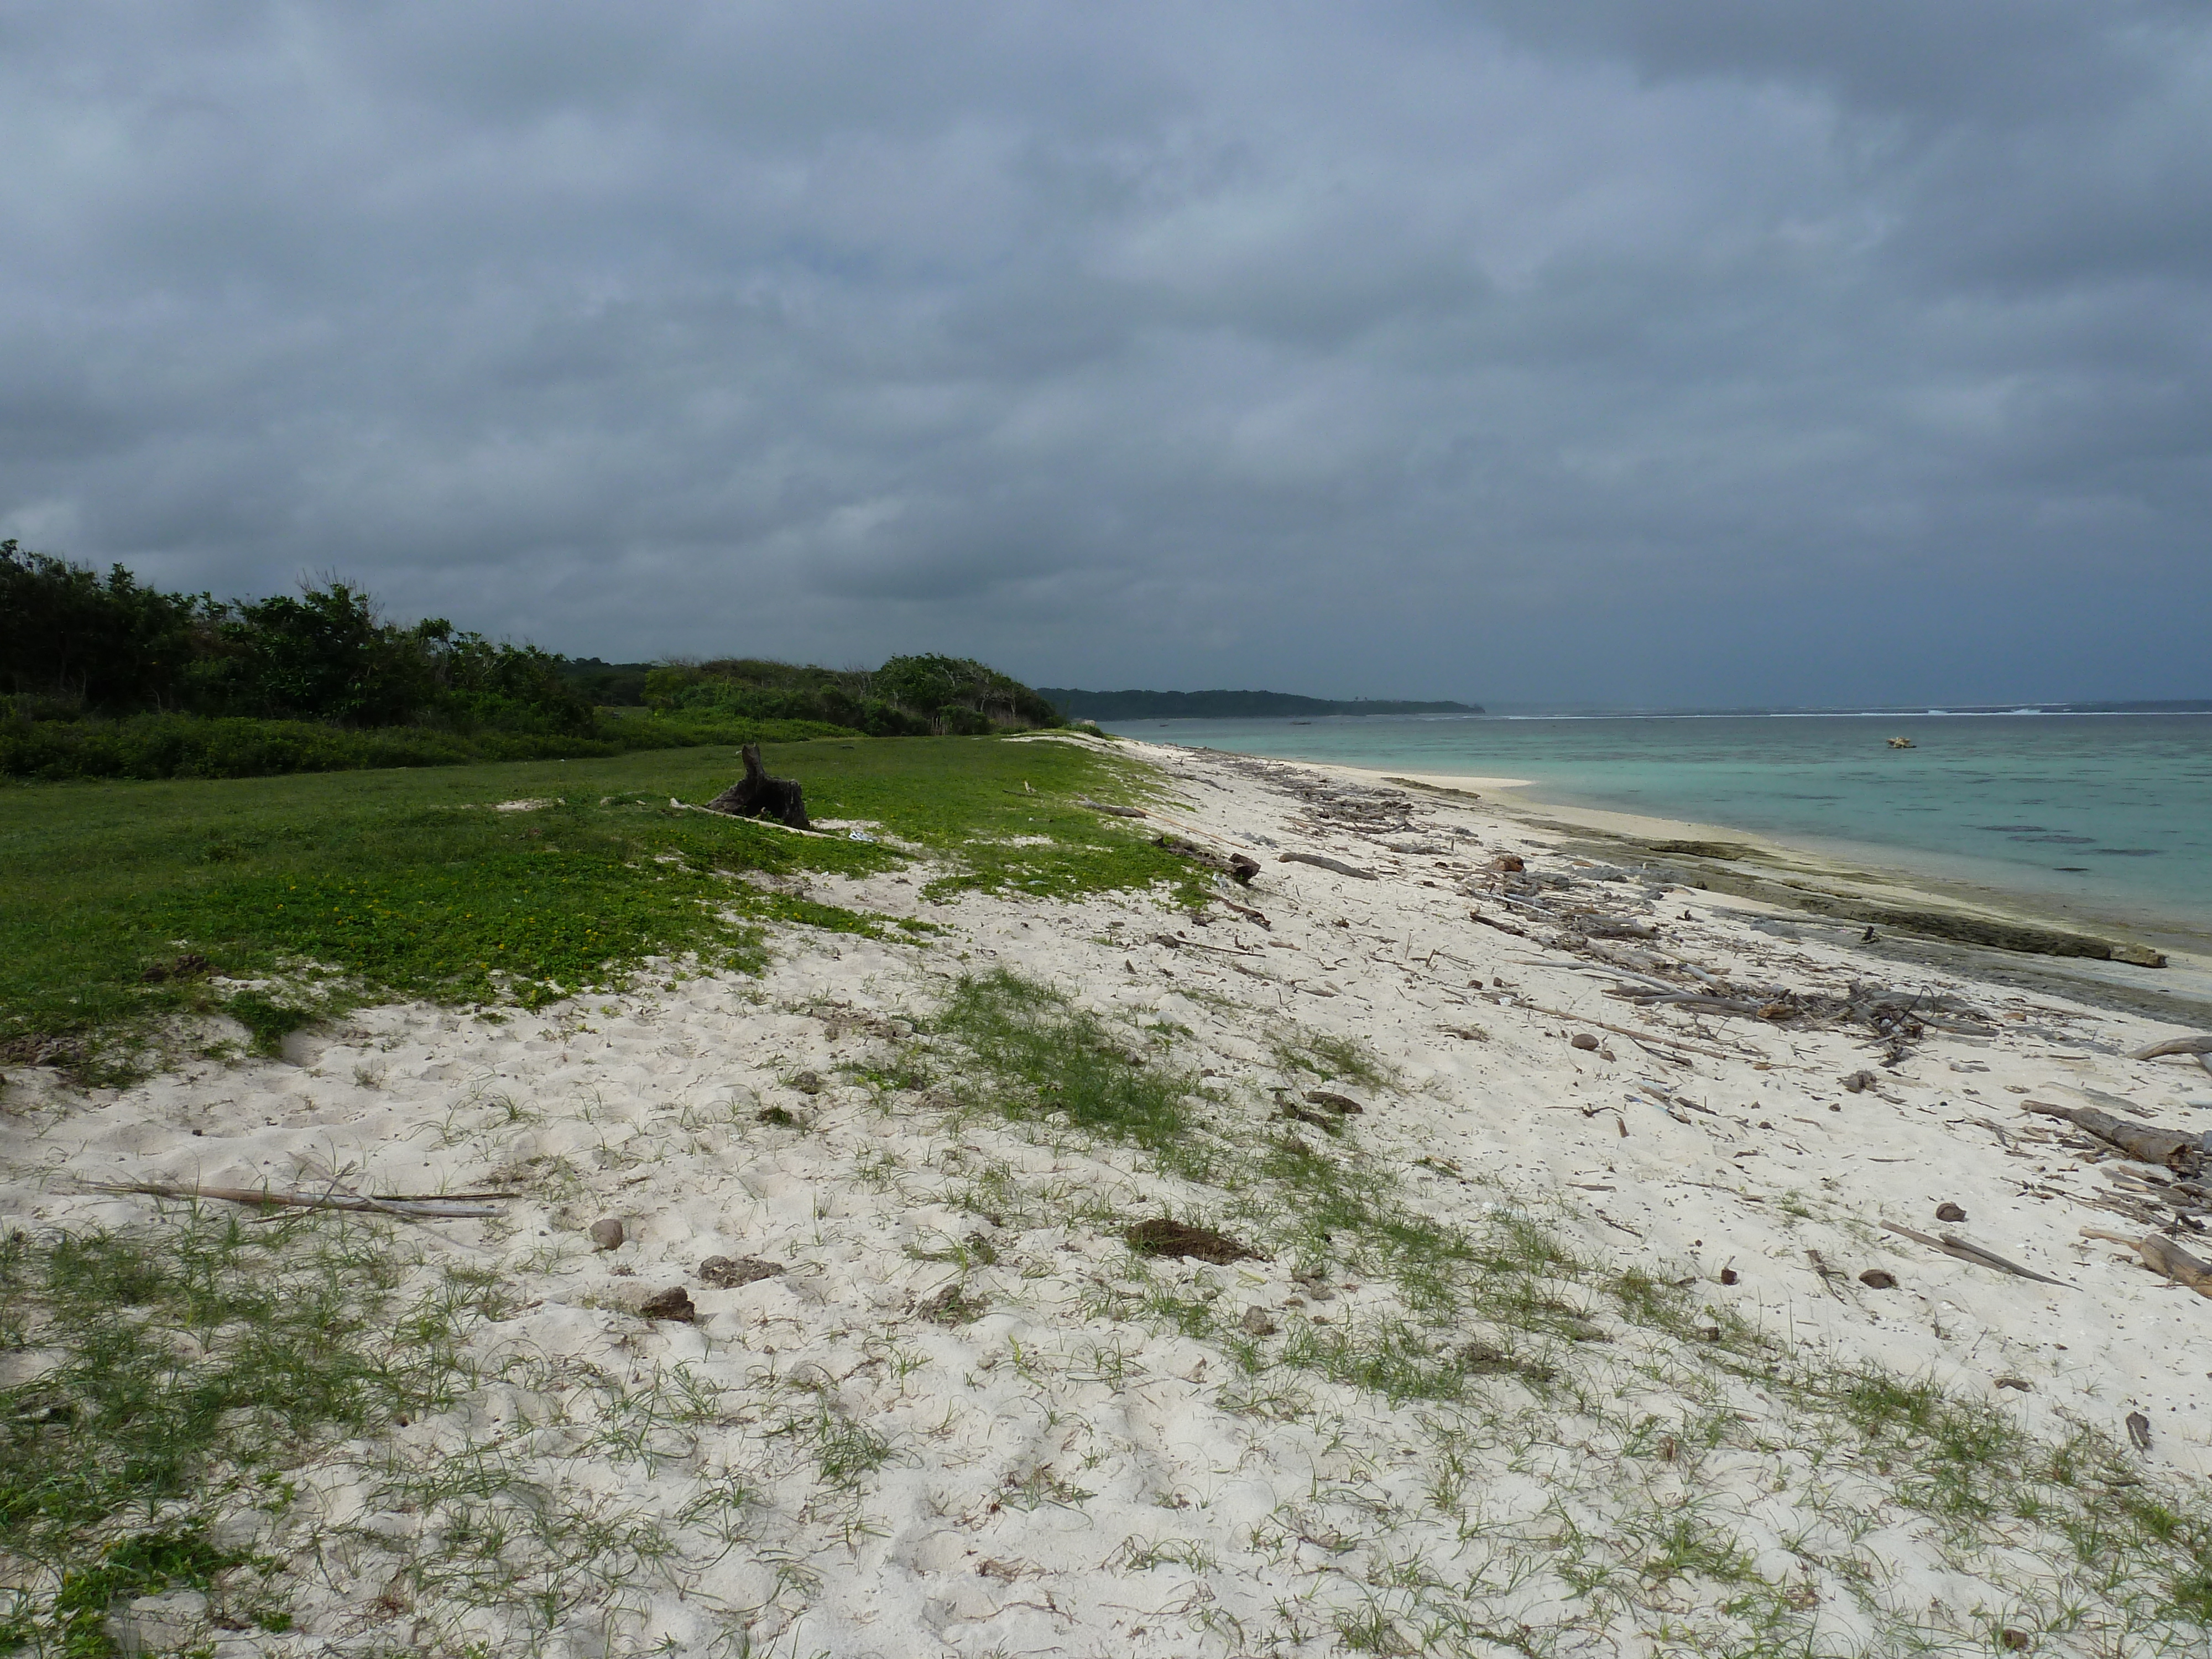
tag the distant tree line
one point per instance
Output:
(103, 675)
(72, 641)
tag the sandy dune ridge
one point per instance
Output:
(950, 1411)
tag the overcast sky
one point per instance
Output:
(1712, 351)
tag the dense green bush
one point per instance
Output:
(71, 640)
(906, 696)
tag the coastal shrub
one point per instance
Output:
(907, 696)
(73, 640)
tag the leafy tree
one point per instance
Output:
(103, 643)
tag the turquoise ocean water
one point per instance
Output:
(2090, 814)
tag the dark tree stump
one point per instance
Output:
(756, 795)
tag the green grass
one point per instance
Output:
(1044, 1057)
(187, 1364)
(196, 746)
(339, 887)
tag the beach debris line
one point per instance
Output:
(757, 795)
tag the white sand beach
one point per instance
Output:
(932, 1402)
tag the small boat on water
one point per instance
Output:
(1903, 743)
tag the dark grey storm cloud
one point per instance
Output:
(1721, 350)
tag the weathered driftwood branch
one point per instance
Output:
(2162, 1255)
(1243, 910)
(1321, 863)
(1951, 1245)
(756, 795)
(1174, 944)
(1239, 868)
(460, 1206)
(2179, 1152)
(1611, 927)
(2198, 1049)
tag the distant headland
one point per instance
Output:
(1226, 705)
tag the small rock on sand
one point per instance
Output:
(673, 1303)
(1878, 1279)
(607, 1234)
(1949, 1213)
(725, 1274)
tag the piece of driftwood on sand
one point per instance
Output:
(2162, 1255)
(2179, 1152)
(2198, 1049)
(1243, 910)
(458, 1207)
(1951, 1245)
(1321, 863)
(756, 795)
(1239, 868)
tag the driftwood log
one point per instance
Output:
(2198, 1049)
(1951, 1245)
(2162, 1255)
(1237, 867)
(2179, 1152)
(415, 1207)
(1245, 911)
(1321, 863)
(756, 795)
